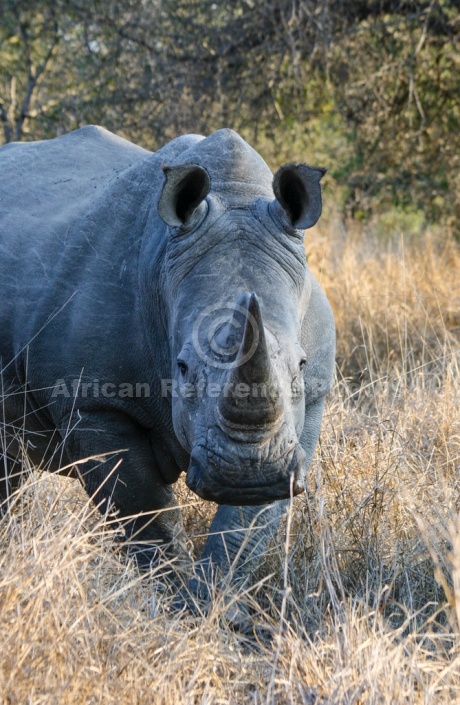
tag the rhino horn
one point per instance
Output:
(298, 191)
(253, 399)
(185, 188)
(252, 363)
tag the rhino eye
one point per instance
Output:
(302, 363)
(183, 368)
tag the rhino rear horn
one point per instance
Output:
(297, 188)
(184, 189)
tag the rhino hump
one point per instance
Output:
(234, 167)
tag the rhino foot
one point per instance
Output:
(233, 614)
(201, 597)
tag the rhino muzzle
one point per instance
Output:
(251, 455)
(247, 478)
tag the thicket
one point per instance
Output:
(369, 89)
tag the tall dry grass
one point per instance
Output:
(358, 600)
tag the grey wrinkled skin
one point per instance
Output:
(109, 255)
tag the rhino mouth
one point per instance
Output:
(243, 482)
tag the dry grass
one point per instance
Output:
(359, 604)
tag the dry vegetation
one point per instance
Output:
(359, 604)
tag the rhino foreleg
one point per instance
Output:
(120, 474)
(237, 543)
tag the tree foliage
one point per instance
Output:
(369, 88)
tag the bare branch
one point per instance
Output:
(33, 78)
(7, 131)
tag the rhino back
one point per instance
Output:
(52, 183)
(47, 179)
(72, 218)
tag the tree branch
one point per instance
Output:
(7, 131)
(33, 78)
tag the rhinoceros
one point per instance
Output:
(157, 316)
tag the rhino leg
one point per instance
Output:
(237, 542)
(122, 477)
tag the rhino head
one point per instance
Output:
(239, 291)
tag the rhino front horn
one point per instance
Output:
(253, 398)
(184, 190)
(298, 191)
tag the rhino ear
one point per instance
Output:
(185, 187)
(298, 190)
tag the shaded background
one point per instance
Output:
(369, 89)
